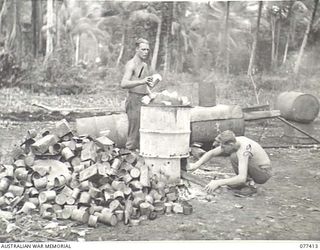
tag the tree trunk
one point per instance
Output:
(77, 49)
(35, 28)
(305, 39)
(58, 28)
(156, 47)
(273, 31)
(2, 13)
(122, 46)
(255, 41)
(167, 58)
(285, 54)
(40, 23)
(277, 44)
(227, 37)
(14, 40)
(49, 43)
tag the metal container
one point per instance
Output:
(117, 124)
(80, 215)
(47, 196)
(85, 198)
(16, 190)
(165, 131)
(4, 184)
(297, 106)
(41, 182)
(92, 222)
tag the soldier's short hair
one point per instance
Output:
(141, 40)
(226, 136)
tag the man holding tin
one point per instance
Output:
(137, 79)
(249, 161)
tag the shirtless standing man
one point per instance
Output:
(136, 79)
(249, 161)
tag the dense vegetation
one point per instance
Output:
(71, 41)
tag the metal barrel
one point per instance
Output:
(297, 106)
(117, 124)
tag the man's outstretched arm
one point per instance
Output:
(205, 158)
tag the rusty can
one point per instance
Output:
(85, 198)
(168, 207)
(16, 190)
(9, 171)
(75, 193)
(187, 208)
(67, 153)
(119, 214)
(116, 164)
(21, 173)
(60, 181)
(61, 199)
(4, 201)
(47, 196)
(4, 184)
(80, 215)
(92, 222)
(40, 183)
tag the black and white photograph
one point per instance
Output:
(159, 121)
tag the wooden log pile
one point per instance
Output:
(84, 179)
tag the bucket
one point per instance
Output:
(297, 106)
(165, 131)
(117, 124)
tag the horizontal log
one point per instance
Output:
(256, 115)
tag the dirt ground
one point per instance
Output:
(287, 207)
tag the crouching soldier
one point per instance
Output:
(249, 161)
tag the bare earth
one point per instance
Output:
(285, 208)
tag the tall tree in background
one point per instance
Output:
(35, 17)
(289, 31)
(226, 37)
(255, 41)
(50, 26)
(305, 38)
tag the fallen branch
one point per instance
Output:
(54, 109)
(256, 108)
